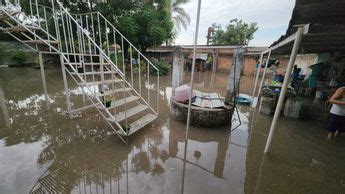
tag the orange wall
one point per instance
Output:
(225, 62)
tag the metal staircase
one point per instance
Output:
(93, 53)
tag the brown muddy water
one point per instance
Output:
(39, 146)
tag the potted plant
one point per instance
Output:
(126, 127)
(107, 102)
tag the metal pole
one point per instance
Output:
(257, 76)
(284, 87)
(193, 67)
(42, 73)
(264, 74)
(65, 84)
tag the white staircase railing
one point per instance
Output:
(67, 36)
(114, 45)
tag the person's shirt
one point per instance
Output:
(338, 109)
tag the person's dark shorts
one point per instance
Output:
(335, 123)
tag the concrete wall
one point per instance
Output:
(225, 62)
(303, 61)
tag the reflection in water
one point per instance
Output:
(4, 108)
(80, 155)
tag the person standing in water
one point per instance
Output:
(336, 119)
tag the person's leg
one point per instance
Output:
(329, 136)
(331, 125)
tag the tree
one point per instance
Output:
(179, 16)
(237, 32)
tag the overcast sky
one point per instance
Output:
(272, 16)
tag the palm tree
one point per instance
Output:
(179, 16)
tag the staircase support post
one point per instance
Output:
(101, 61)
(40, 58)
(65, 83)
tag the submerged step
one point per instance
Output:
(128, 113)
(93, 73)
(102, 82)
(123, 101)
(111, 92)
(89, 63)
(41, 41)
(141, 123)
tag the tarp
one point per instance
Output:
(208, 100)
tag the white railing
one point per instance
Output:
(114, 44)
(77, 42)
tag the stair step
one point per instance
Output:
(110, 92)
(94, 63)
(19, 29)
(40, 41)
(3, 15)
(100, 82)
(123, 101)
(141, 123)
(93, 73)
(129, 112)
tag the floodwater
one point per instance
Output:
(41, 147)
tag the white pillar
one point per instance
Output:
(40, 57)
(101, 60)
(4, 108)
(257, 76)
(284, 87)
(177, 71)
(193, 67)
(235, 74)
(68, 100)
(264, 74)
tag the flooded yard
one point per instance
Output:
(41, 147)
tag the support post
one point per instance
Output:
(284, 87)
(101, 62)
(264, 73)
(40, 58)
(65, 83)
(257, 76)
(4, 108)
(177, 71)
(193, 67)
(235, 74)
(215, 60)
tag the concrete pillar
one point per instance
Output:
(177, 72)
(215, 60)
(235, 74)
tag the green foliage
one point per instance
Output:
(2, 49)
(162, 66)
(19, 57)
(2, 52)
(155, 27)
(179, 16)
(237, 32)
(140, 22)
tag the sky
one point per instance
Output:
(272, 16)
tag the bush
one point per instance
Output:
(2, 52)
(19, 57)
(162, 66)
(2, 49)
